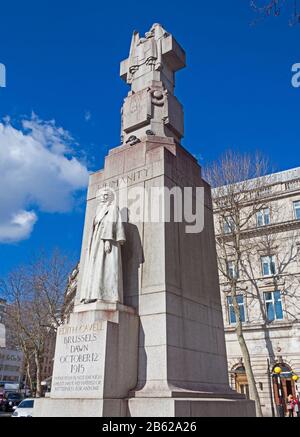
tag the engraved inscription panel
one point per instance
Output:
(79, 361)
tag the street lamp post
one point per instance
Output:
(280, 407)
(295, 379)
(270, 383)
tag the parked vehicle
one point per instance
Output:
(24, 409)
(11, 400)
(2, 398)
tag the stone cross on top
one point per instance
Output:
(151, 107)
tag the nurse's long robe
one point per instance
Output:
(102, 275)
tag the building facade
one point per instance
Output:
(2, 326)
(11, 359)
(268, 296)
(11, 367)
(48, 357)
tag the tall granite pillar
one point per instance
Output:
(169, 327)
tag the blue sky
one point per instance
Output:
(62, 60)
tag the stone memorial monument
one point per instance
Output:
(146, 336)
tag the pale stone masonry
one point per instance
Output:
(160, 350)
(278, 341)
(11, 359)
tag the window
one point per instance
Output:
(263, 217)
(232, 272)
(27, 403)
(297, 210)
(240, 301)
(228, 225)
(273, 305)
(268, 265)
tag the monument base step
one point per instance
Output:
(190, 407)
(49, 407)
(144, 407)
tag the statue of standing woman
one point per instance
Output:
(102, 270)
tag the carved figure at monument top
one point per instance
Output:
(150, 71)
(146, 51)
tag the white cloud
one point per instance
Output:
(38, 171)
(19, 227)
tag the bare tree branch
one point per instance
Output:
(266, 8)
(36, 295)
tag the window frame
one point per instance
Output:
(296, 209)
(228, 225)
(271, 261)
(261, 213)
(230, 305)
(273, 301)
(235, 274)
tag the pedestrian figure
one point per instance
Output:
(296, 407)
(290, 405)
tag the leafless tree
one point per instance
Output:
(242, 189)
(35, 295)
(237, 180)
(265, 8)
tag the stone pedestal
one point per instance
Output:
(162, 353)
(95, 363)
(171, 280)
(191, 407)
